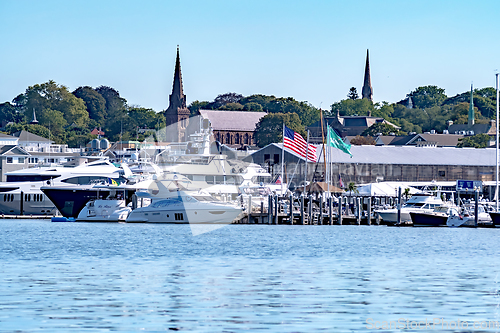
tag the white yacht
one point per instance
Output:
(172, 202)
(466, 217)
(418, 203)
(21, 194)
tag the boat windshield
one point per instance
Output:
(204, 197)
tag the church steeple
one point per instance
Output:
(367, 91)
(34, 121)
(177, 112)
(471, 108)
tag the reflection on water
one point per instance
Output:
(121, 277)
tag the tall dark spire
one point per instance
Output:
(177, 113)
(177, 97)
(367, 91)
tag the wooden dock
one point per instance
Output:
(311, 211)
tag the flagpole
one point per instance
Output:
(307, 155)
(283, 160)
(323, 141)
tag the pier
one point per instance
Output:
(312, 210)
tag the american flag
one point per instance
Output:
(296, 143)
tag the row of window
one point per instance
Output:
(8, 197)
(237, 138)
(35, 197)
(33, 160)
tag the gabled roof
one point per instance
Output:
(12, 150)
(441, 140)
(233, 120)
(2, 135)
(25, 136)
(476, 128)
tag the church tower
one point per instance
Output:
(367, 91)
(177, 114)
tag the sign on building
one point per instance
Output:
(469, 185)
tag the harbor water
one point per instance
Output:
(99, 277)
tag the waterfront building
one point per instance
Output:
(370, 164)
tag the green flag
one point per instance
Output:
(333, 140)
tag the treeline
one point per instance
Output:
(429, 109)
(69, 117)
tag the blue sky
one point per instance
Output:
(312, 51)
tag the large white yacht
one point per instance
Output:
(419, 203)
(173, 202)
(21, 194)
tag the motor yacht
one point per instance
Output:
(173, 202)
(21, 193)
(420, 203)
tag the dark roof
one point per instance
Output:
(232, 120)
(2, 135)
(476, 128)
(7, 148)
(441, 140)
(25, 136)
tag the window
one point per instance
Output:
(9, 159)
(442, 173)
(276, 158)
(20, 160)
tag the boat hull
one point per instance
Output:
(70, 203)
(428, 219)
(495, 217)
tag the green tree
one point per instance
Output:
(350, 107)
(196, 106)
(352, 188)
(475, 141)
(116, 111)
(269, 129)
(353, 93)
(252, 106)
(427, 97)
(10, 113)
(383, 128)
(232, 107)
(359, 140)
(54, 106)
(94, 102)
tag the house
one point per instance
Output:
(12, 158)
(419, 140)
(346, 126)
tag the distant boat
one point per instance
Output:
(186, 207)
(436, 218)
(466, 218)
(419, 203)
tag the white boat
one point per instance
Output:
(466, 217)
(171, 202)
(418, 203)
(104, 210)
(21, 194)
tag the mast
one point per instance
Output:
(283, 160)
(496, 146)
(307, 154)
(324, 155)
